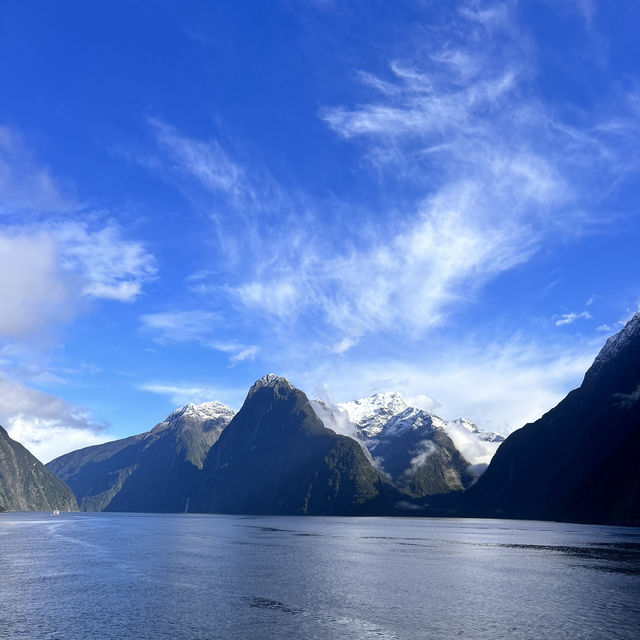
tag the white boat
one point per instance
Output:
(55, 512)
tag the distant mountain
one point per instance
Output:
(421, 453)
(579, 462)
(276, 457)
(476, 445)
(156, 471)
(26, 484)
(371, 414)
(415, 450)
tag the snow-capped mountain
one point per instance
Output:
(270, 380)
(411, 419)
(202, 412)
(472, 427)
(277, 457)
(416, 448)
(390, 410)
(372, 413)
(153, 471)
(196, 428)
(207, 420)
(616, 343)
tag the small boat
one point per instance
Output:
(55, 512)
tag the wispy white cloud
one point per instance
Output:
(206, 161)
(570, 318)
(499, 385)
(615, 326)
(180, 326)
(495, 174)
(181, 394)
(344, 345)
(248, 353)
(203, 327)
(111, 267)
(249, 211)
(24, 185)
(466, 233)
(586, 9)
(460, 124)
(44, 423)
(486, 174)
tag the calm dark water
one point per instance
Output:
(95, 576)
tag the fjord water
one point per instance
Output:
(204, 576)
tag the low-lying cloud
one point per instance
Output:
(45, 424)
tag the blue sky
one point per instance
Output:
(435, 198)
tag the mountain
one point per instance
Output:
(155, 471)
(26, 484)
(371, 414)
(420, 452)
(276, 457)
(415, 450)
(579, 461)
(476, 445)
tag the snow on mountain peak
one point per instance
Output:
(411, 418)
(201, 412)
(616, 343)
(372, 413)
(472, 427)
(270, 380)
(385, 415)
(193, 415)
(208, 410)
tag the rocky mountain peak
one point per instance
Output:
(201, 412)
(372, 413)
(272, 381)
(616, 343)
(413, 419)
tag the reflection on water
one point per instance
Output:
(108, 576)
(623, 557)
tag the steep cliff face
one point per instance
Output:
(26, 484)
(276, 457)
(155, 471)
(580, 460)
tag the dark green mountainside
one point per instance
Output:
(26, 484)
(579, 462)
(155, 471)
(276, 457)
